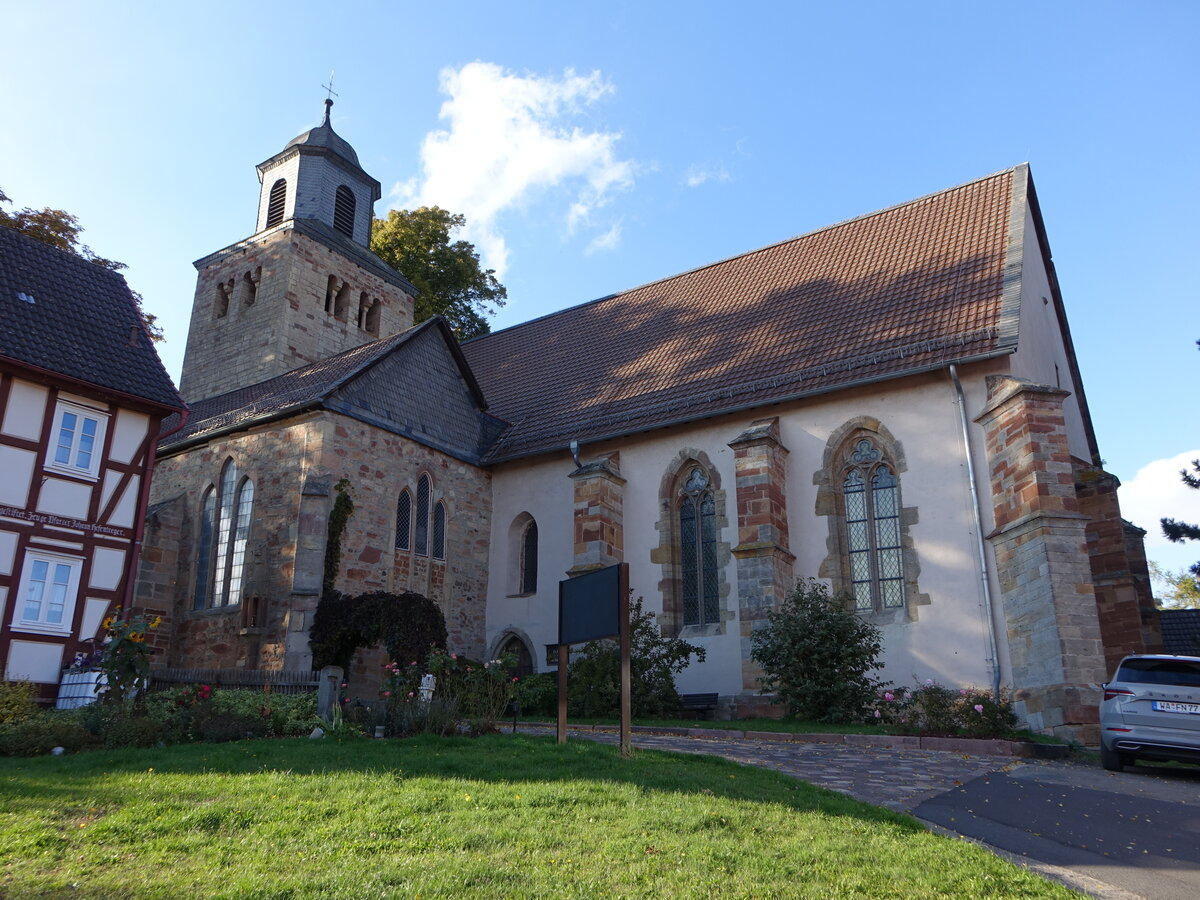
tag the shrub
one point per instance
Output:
(817, 656)
(934, 709)
(125, 658)
(18, 701)
(538, 694)
(408, 625)
(478, 692)
(594, 687)
(44, 731)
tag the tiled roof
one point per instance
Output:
(906, 289)
(1181, 631)
(82, 321)
(428, 393)
(292, 391)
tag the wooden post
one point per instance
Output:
(626, 681)
(564, 657)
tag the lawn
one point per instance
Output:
(503, 816)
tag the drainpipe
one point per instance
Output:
(984, 581)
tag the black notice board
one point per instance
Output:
(589, 605)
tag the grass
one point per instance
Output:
(503, 816)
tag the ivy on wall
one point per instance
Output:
(339, 518)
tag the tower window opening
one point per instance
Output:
(372, 320)
(276, 202)
(341, 302)
(251, 280)
(224, 294)
(343, 210)
(364, 303)
(330, 292)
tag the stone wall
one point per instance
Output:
(296, 466)
(261, 310)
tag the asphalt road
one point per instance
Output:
(1138, 830)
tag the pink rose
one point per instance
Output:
(878, 714)
(979, 707)
(889, 696)
(387, 693)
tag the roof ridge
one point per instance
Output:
(840, 224)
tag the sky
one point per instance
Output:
(595, 147)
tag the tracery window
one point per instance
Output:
(439, 531)
(698, 550)
(871, 493)
(225, 516)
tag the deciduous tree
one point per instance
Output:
(452, 283)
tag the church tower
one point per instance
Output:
(305, 286)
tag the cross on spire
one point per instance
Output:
(330, 94)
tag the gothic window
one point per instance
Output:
(225, 518)
(439, 531)
(698, 550)
(208, 508)
(276, 202)
(343, 210)
(421, 537)
(404, 521)
(529, 558)
(871, 496)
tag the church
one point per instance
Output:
(891, 404)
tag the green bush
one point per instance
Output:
(934, 709)
(817, 656)
(594, 688)
(408, 625)
(18, 701)
(538, 694)
(44, 731)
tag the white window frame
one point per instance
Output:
(92, 470)
(39, 625)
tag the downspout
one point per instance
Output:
(976, 512)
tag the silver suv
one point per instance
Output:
(1151, 710)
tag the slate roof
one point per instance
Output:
(324, 384)
(910, 288)
(82, 323)
(1181, 631)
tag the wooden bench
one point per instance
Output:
(699, 703)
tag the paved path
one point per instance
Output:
(1116, 836)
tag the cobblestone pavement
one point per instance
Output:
(895, 779)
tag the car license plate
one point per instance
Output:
(1171, 706)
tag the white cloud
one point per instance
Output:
(509, 138)
(698, 174)
(610, 240)
(1157, 492)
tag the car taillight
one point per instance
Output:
(1110, 693)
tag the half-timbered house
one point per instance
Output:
(82, 395)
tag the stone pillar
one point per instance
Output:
(1125, 615)
(764, 562)
(1049, 604)
(599, 515)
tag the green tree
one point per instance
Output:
(447, 273)
(817, 656)
(1175, 590)
(60, 229)
(1181, 531)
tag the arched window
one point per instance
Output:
(276, 202)
(372, 321)
(871, 496)
(439, 531)
(343, 210)
(698, 550)
(225, 517)
(421, 536)
(404, 521)
(208, 508)
(529, 558)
